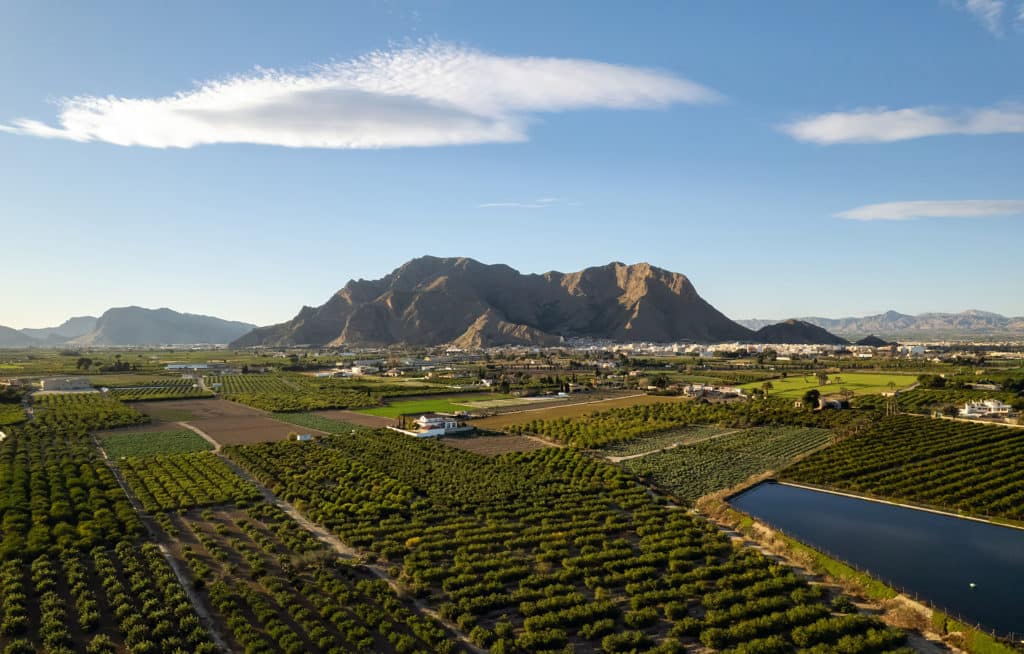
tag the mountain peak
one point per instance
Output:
(432, 300)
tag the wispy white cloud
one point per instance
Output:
(935, 209)
(540, 203)
(882, 125)
(989, 12)
(1018, 22)
(429, 95)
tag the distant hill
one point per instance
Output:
(139, 326)
(70, 328)
(873, 341)
(797, 332)
(14, 338)
(431, 301)
(898, 326)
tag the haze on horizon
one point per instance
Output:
(242, 163)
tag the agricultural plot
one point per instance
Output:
(326, 422)
(261, 564)
(505, 402)
(570, 409)
(109, 600)
(173, 389)
(152, 443)
(11, 414)
(129, 379)
(968, 467)
(494, 445)
(225, 422)
(860, 383)
(692, 471)
(183, 481)
(600, 429)
(445, 404)
(92, 410)
(671, 438)
(542, 550)
(74, 575)
(923, 400)
(731, 377)
(291, 392)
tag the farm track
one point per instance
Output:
(327, 537)
(618, 459)
(209, 439)
(544, 441)
(157, 536)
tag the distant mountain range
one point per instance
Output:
(128, 326)
(431, 301)
(893, 325)
(460, 301)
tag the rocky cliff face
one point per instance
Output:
(430, 301)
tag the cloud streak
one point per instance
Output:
(989, 12)
(934, 209)
(882, 125)
(429, 95)
(541, 203)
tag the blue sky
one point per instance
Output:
(244, 159)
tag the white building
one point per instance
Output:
(985, 409)
(432, 425)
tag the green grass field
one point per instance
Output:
(448, 404)
(861, 383)
(153, 443)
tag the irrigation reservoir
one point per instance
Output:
(968, 568)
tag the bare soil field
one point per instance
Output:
(355, 418)
(245, 430)
(226, 422)
(495, 445)
(495, 423)
(198, 409)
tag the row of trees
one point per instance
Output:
(966, 466)
(303, 599)
(529, 551)
(623, 424)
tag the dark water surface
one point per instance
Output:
(937, 557)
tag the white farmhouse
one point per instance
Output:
(985, 409)
(432, 425)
